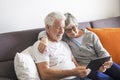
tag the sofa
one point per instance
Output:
(13, 42)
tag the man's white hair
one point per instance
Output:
(51, 17)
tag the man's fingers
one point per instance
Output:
(84, 72)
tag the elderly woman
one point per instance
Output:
(85, 46)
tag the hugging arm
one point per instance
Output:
(43, 42)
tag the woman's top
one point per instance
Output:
(86, 47)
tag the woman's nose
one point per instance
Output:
(72, 31)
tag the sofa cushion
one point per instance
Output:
(110, 38)
(25, 67)
(105, 23)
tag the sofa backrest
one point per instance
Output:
(10, 43)
(83, 25)
(113, 22)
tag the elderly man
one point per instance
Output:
(57, 63)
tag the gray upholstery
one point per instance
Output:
(10, 43)
(83, 25)
(106, 23)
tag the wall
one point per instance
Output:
(18, 15)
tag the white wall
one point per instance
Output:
(28, 14)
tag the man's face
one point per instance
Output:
(56, 31)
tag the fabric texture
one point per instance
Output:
(25, 67)
(110, 38)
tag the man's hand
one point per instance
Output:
(82, 71)
(43, 45)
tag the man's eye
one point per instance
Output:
(58, 28)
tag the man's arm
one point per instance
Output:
(48, 73)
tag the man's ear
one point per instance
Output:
(47, 28)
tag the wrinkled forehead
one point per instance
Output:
(59, 23)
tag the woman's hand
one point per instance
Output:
(102, 68)
(43, 45)
(106, 65)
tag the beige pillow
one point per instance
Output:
(25, 67)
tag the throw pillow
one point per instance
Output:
(25, 67)
(110, 38)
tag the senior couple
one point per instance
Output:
(67, 59)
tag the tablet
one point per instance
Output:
(94, 65)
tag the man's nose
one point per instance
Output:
(61, 30)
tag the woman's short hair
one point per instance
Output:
(70, 19)
(51, 17)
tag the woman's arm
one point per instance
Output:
(99, 49)
(43, 42)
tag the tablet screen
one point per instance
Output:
(95, 64)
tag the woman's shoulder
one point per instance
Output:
(86, 31)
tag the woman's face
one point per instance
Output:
(71, 30)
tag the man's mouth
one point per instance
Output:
(59, 35)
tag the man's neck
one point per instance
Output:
(50, 39)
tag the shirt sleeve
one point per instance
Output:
(99, 49)
(37, 56)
